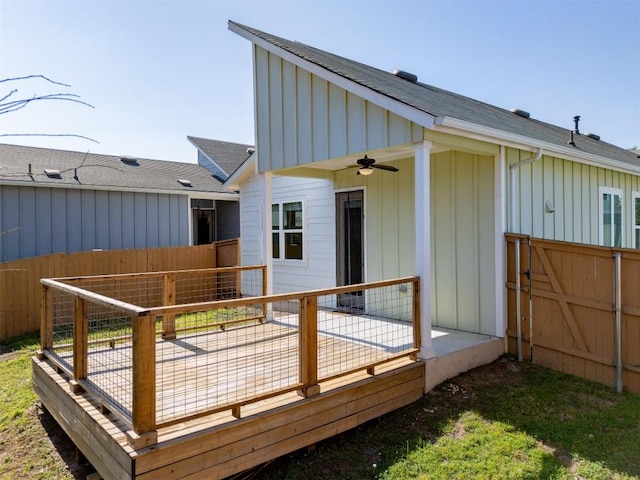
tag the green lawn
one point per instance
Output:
(507, 420)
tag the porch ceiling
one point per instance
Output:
(381, 156)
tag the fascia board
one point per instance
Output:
(402, 109)
(214, 195)
(479, 132)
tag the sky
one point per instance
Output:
(156, 71)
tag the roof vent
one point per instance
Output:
(521, 113)
(129, 160)
(593, 135)
(251, 150)
(185, 183)
(52, 173)
(409, 77)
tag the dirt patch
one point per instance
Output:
(5, 357)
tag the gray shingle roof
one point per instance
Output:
(442, 103)
(229, 156)
(101, 171)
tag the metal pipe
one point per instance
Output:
(518, 307)
(618, 313)
(512, 185)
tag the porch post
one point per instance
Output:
(267, 241)
(422, 153)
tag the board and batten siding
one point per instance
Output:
(462, 216)
(572, 190)
(302, 118)
(463, 242)
(317, 270)
(40, 221)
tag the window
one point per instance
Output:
(610, 217)
(635, 198)
(287, 230)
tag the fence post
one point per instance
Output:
(417, 340)
(168, 298)
(618, 311)
(80, 344)
(518, 299)
(308, 332)
(46, 321)
(144, 383)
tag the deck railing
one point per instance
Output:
(159, 349)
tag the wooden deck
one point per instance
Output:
(220, 444)
(144, 398)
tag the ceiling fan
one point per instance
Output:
(368, 164)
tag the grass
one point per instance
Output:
(507, 420)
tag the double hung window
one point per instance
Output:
(287, 226)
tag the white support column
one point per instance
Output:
(422, 152)
(267, 238)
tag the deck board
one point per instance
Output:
(200, 371)
(203, 371)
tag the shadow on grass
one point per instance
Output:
(77, 465)
(576, 418)
(572, 419)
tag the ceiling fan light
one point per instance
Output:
(365, 171)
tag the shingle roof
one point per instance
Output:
(101, 171)
(229, 156)
(442, 103)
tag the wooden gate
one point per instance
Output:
(578, 309)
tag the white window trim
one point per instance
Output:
(281, 231)
(611, 191)
(634, 227)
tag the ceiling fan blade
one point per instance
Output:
(388, 168)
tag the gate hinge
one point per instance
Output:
(528, 274)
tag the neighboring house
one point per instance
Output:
(221, 159)
(468, 173)
(55, 201)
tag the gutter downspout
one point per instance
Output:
(512, 221)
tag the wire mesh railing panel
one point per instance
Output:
(62, 305)
(211, 368)
(366, 332)
(109, 361)
(143, 290)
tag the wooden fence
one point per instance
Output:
(575, 308)
(20, 279)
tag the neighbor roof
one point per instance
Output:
(442, 103)
(227, 155)
(101, 171)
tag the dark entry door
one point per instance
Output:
(204, 226)
(350, 246)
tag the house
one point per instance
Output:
(63, 201)
(464, 173)
(221, 159)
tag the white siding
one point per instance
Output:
(318, 268)
(572, 190)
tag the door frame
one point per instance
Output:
(361, 189)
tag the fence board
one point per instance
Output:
(572, 300)
(20, 279)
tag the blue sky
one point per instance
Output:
(157, 71)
